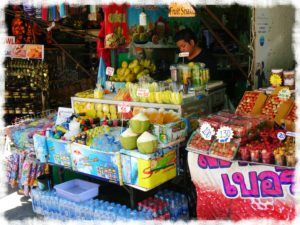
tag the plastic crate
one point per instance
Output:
(77, 190)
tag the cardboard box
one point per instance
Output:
(148, 170)
(170, 132)
(59, 152)
(283, 110)
(106, 165)
(259, 103)
(289, 124)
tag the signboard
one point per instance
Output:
(224, 134)
(284, 94)
(124, 108)
(235, 190)
(184, 54)
(8, 40)
(25, 51)
(181, 10)
(206, 131)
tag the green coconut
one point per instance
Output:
(147, 143)
(128, 139)
(139, 123)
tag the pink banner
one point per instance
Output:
(235, 190)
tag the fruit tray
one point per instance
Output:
(198, 144)
(251, 103)
(226, 151)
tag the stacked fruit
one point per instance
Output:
(271, 107)
(197, 142)
(134, 70)
(85, 94)
(248, 102)
(225, 150)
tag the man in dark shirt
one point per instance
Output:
(186, 41)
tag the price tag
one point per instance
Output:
(124, 108)
(110, 71)
(206, 131)
(184, 54)
(143, 92)
(224, 134)
(284, 94)
(281, 136)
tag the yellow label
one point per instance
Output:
(275, 80)
(181, 10)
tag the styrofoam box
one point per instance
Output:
(77, 190)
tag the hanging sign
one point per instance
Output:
(224, 134)
(206, 131)
(181, 10)
(110, 71)
(124, 108)
(284, 94)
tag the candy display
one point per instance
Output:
(200, 144)
(225, 150)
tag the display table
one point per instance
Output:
(238, 190)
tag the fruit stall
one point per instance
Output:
(246, 159)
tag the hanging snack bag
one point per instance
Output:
(115, 25)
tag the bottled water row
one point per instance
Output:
(177, 204)
(49, 204)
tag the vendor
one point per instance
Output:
(186, 41)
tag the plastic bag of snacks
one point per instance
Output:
(115, 25)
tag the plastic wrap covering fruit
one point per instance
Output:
(271, 107)
(225, 150)
(248, 102)
(196, 142)
(215, 121)
(239, 129)
(227, 114)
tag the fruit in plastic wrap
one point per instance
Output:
(197, 142)
(147, 143)
(128, 139)
(225, 150)
(248, 102)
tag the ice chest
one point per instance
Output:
(148, 170)
(77, 190)
(106, 165)
(170, 132)
(59, 152)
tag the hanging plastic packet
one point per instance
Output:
(62, 10)
(101, 78)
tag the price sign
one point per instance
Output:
(284, 94)
(110, 71)
(224, 134)
(206, 131)
(281, 136)
(143, 92)
(124, 108)
(184, 54)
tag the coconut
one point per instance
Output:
(139, 123)
(128, 139)
(147, 143)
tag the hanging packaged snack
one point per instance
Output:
(115, 25)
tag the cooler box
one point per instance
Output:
(40, 148)
(106, 165)
(59, 152)
(148, 170)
